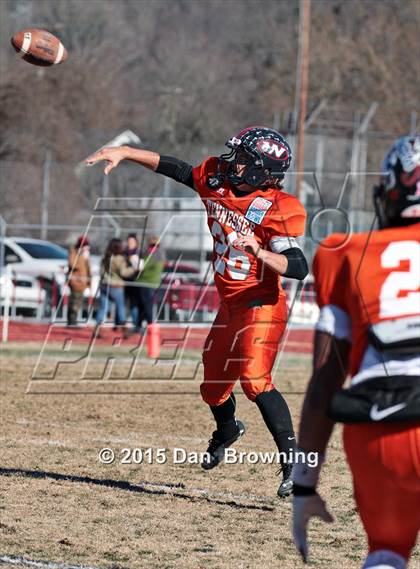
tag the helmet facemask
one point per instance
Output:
(245, 168)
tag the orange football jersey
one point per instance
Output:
(372, 278)
(273, 217)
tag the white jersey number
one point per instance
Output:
(238, 264)
(391, 304)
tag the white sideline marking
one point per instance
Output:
(24, 562)
(39, 442)
(230, 495)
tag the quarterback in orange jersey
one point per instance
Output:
(368, 291)
(254, 225)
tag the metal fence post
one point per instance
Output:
(3, 273)
(6, 309)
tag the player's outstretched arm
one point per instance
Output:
(167, 165)
(114, 156)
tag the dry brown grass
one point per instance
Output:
(227, 518)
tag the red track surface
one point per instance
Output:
(192, 338)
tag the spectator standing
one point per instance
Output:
(132, 254)
(79, 277)
(148, 281)
(114, 269)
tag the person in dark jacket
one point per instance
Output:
(132, 254)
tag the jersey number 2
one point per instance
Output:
(391, 304)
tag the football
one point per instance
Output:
(39, 47)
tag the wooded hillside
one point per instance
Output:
(185, 75)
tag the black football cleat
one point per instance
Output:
(216, 450)
(286, 485)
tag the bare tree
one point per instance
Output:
(185, 75)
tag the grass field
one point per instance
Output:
(60, 504)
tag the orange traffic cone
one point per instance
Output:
(153, 340)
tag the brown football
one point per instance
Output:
(39, 47)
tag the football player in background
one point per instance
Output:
(368, 293)
(254, 225)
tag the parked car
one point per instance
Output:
(47, 262)
(23, 293)
(188, 296)
(36, 257)
(184, 271)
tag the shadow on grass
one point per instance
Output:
(161, 488)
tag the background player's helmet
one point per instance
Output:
(397, 198)
(265, 154)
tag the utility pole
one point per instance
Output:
(301, 94)
(45, 195)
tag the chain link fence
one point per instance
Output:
(59, 202)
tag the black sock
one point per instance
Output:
(276, 415)
(224, 415)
